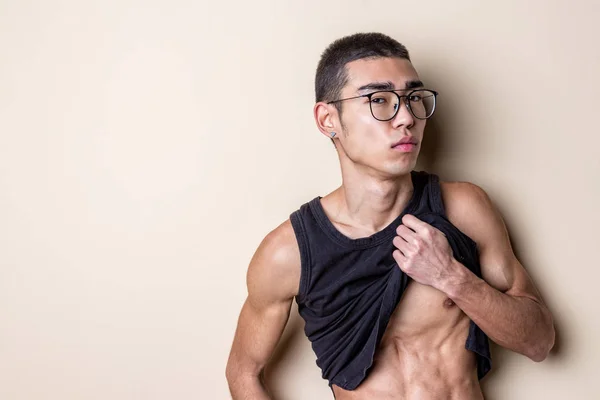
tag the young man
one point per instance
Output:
(400, 278)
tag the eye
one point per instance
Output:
(378, 100)
(415, 98)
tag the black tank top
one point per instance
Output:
(349, 288)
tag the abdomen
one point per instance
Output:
(422, 354)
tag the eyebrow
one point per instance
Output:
(390, 86)
(413, 84)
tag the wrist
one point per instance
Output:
(460, 281)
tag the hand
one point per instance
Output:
(423, 253)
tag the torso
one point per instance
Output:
(422, 354)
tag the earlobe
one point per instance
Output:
(324, 119)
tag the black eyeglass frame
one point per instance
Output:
(406, 101)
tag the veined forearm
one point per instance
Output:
(518, 323)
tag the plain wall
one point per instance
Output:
(147, 147)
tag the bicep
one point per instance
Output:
(258, 332)
(273, 275)
(477, 216)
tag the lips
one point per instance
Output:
(405, 141)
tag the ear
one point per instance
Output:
(327, 119)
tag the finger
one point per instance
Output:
(399, 257)
(414, 223)
(400, 243)
(406, 233)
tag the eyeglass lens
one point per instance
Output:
(385, 104)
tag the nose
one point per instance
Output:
(403, 117)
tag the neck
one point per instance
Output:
(368, 202)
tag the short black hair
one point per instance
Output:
(332, 76)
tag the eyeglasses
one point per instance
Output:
(385, 104)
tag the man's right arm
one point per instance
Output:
(273, 278)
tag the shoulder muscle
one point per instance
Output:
(274, 271)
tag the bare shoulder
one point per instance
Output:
(469, 208)
(274, 271)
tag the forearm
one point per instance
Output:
(247, 387)
(520, 324)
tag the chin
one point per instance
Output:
(398, 167)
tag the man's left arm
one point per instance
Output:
(505, 304)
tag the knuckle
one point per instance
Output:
(420, 250)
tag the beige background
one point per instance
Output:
(147, 147)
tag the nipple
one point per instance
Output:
(449, 302)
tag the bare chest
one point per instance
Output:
(426, 314)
